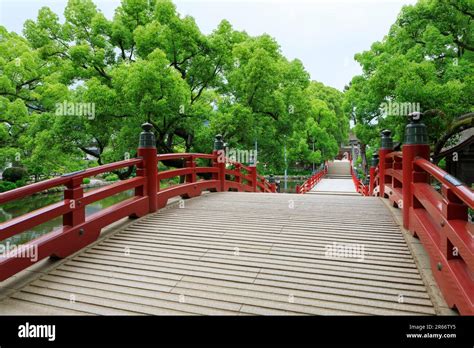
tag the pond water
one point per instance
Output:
(291, 185)
(20, 207)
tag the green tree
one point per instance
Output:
(427, 58)
(150, 64)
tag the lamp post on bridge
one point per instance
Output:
(271, 180)
(415, 145)
(385, 148)
(375, 159)
(374, 164)
(218, 143)
(149, 168)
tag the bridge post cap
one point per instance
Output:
(415, 131)
(147, 138)
(218, 142)
(387, 142)
(147, 127)
(415, 117)
(375, 159)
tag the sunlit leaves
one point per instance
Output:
(149, 63)
(426, 59)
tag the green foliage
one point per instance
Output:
(325, 124)
(149, 64)
(169, 182)
(299, 172)
(14, 174)
(111, 177)
(6, 186)
(442, 164)
(86, 181)
(22, 182)
(427, 58)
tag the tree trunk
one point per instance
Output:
(124, 174)
(462, 123)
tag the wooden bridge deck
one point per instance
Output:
(238, 253)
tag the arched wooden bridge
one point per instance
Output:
(223, 242)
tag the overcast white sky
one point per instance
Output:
(323, 34)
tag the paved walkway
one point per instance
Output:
(239, 254)
(335, 185)
(338, 180)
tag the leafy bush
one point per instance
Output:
(6, 186)
(442, 164)
(14, 174)
(169, 182)
(299, 171)
(111, 177)
(86, 181)
(20, 183)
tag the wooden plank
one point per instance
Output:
(239, 254)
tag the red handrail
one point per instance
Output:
(28, 190)
(461, 191)
(438, 219)
(394, 154)
(79, 230)
(311, 181)
(373, 180)
(253, 181)
(172, 156)
(359, 185)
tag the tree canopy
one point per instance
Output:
(150, 64)
(427, 59)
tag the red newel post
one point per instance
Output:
(191, 163)
(415, 145)
(375, 163)
(149, 169)
(220, 161)
(385, 148)
(74, 192)
(238, 178)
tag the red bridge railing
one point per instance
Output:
(439, 218)
(359, 185)
(312, 181)
(79, 230)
